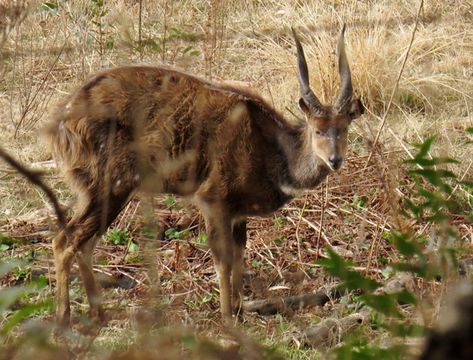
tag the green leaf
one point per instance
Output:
(358, 348)
(170, 201)
(24, 313)
(407, 330)
(7, 241)
(7, 266)
(383, 303)
(415, 209)
(431, 162)
(118, 236)
(256, 263)
(190, 341)
(207, 298)
(173, 233)
(421, 268)
(406, 297)
(186, 50)
(406, 245)
(12, 294)
(4, 247)
(336, 266)
(424, 147)
(49, 6)
(433, 176)
(133, 248)
(202, 238)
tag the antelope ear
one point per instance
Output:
(303, 106)
(356, 109)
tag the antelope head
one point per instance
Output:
(327, 125)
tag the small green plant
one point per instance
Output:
(159, 44)
(49, 6)
(202, 238)
(175, 33)
(280, 240)
(172, 233)
(22, 272)
(412, 101)
(12, 315)
(170, 201)
(133, 248)
(210, 298)
(359, 202)
(279, 222)
(117, 236)
(99, 31)
(135, 259)
(6, 243)
(256, 264)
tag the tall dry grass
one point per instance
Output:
(251, 41)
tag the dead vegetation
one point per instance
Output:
(59, 44)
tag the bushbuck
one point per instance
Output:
(140, 128)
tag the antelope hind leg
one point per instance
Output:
(84, 259)
(221, 243)
(63, 257)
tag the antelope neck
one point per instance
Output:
(305, 170)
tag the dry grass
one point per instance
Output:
(54, 49)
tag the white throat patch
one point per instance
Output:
(290, 190)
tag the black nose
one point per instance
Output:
(335, 162)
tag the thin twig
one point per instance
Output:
(374, 245)
(140, 14)
(31, 102)
(301, 120)
(314, 227)
(298, 227)
(250, 18)
(462, 177)
(396, 85)
(322, 215)
(165, 30)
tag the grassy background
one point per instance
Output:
(59, 44)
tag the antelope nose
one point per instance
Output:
(335, 162)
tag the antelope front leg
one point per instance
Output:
(237, 279)
(220, 239)
(239, 243)
(224, 272)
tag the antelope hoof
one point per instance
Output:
(227, 319)
(98, 316)
(60, 330)
(63, 321)
(238, 308)
(92, 324)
